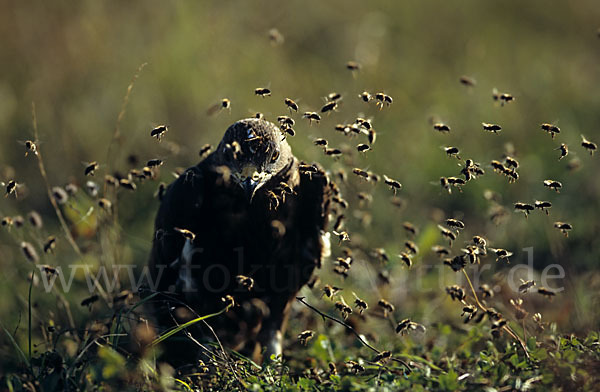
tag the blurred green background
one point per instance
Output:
(76, 59)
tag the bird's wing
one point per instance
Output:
(178, 208)
(315, 199)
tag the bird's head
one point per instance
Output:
(255, 151)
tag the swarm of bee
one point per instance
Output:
(347, 214)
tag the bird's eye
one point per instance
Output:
(275, 156)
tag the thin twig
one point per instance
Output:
(59, 214)
(348, 326)
(507, 328)
(117, 132)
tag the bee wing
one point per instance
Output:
(214, 109)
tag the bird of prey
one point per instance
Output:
(249, 210)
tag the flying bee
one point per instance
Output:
(364, 123)
(262, 92)
(339, 223)
(291, 104)
(159, 132)
(105, 204)
(7, 221)
(380, 254)
(472, 252)
(329, 106)
(524, 207)
(360, 304)
(552, 184)
(10, 187)
(563, 227)
(365, 96)
(127, 184)
(275, 37)
(29, 252)
(441, 127)
(343, 128)
(361, 173)
(543, 205)
(344, 263)
(456, 182)
(457, 263)
(511, 162)
(355, 367)
(205, 150)
(329, 291)
(455, 224)
(312, 116)
(479, 241)
(551, 129)
(225, 103)
(383, 356)
(411, 247)
(364, 197)
(341, 202)
(393, 184)
(386, 306)
(588, 145)
(353, 66)
(305, 336)
(320, 142)
(564, 151)
(89, 301)
(50, 244)
(467, 81)
(286, 121)
(187, 234)
(410, 228)
(445, 184)
(383, 100)
(333, 152)
(501, 254)
(372, 136)
(441, 251)
(30, 147)
(245, 281)
(452, 152)
(154, 163)
(315, 280)
(333, 96)
(342, 307)
(526, 285)
(498, 166)
(512, 175)
(506, 98)
(486, 291)
(491, 127)
(91, 168)
(363, 147)
(456, 293)
(406, 259)
(546, 293)
(288, 130)
(449, 234)
(342, 236)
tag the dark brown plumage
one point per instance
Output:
(227, 202)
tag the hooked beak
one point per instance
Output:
(250, 187)
(250, 180)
